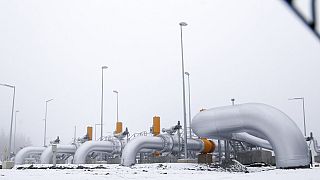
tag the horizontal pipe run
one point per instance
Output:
(162, 143)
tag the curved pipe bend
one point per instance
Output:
(90, 146)
(130, 151)
(162, 143)
(279, 130)
(25, 152)
(46, 156)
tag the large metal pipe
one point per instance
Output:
(130, 151)
(46, 156)
(25, 152)
(113, 146)
(280, 131)
(162, 143)
(316, 146)
(251, 140)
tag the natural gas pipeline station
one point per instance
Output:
(245, 133)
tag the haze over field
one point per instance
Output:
(253, 51)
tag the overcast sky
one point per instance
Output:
(250, 50)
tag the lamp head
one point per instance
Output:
(183, 24)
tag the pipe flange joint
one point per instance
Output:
(116, 145)
(167, 142)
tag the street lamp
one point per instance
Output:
(232, 100)
(102, 68)
(45, 123)
(304, 114)
(117, 93)
(183, 94)
(188, 74)
(15, 127)
(14, 94)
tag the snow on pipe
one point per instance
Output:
(162, 143)
(25, 152)
(113, 147)
(280, 131)
(47, 154)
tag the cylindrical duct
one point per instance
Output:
(156, 125)
(95, 146)
(118, 127)
(25, 152)
(279, 130)
(46, 156)
(89, 133)
(161, 143)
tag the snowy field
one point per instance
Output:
(155, 172)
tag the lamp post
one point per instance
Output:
(15, 127)
(117, 93)
(10, 136)
(189, 95)
(102, 68)
(226, 142)
(304, 114)
(45, 123)
(95, 131)
(183, 95)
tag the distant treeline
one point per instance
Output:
(21, 141)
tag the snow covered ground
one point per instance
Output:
(155, 172)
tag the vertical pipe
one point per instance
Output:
(189, 92)
(101, 128)
(14, 136)
(179, 143)
(226, 151)
(313, 14)
(45, 126)
(14, 94)
(304, 118)
(219, 150)
(54, 154)
(117, 106)
(184, 99)
(75, 134)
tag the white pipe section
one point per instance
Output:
(195, 145)
(95, 146)
(46, 156)
(251, 140)
(316, 146)
(130, 151)
(25, 152)
(162, 143)
(281, 132)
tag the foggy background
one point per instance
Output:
(250, 50)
